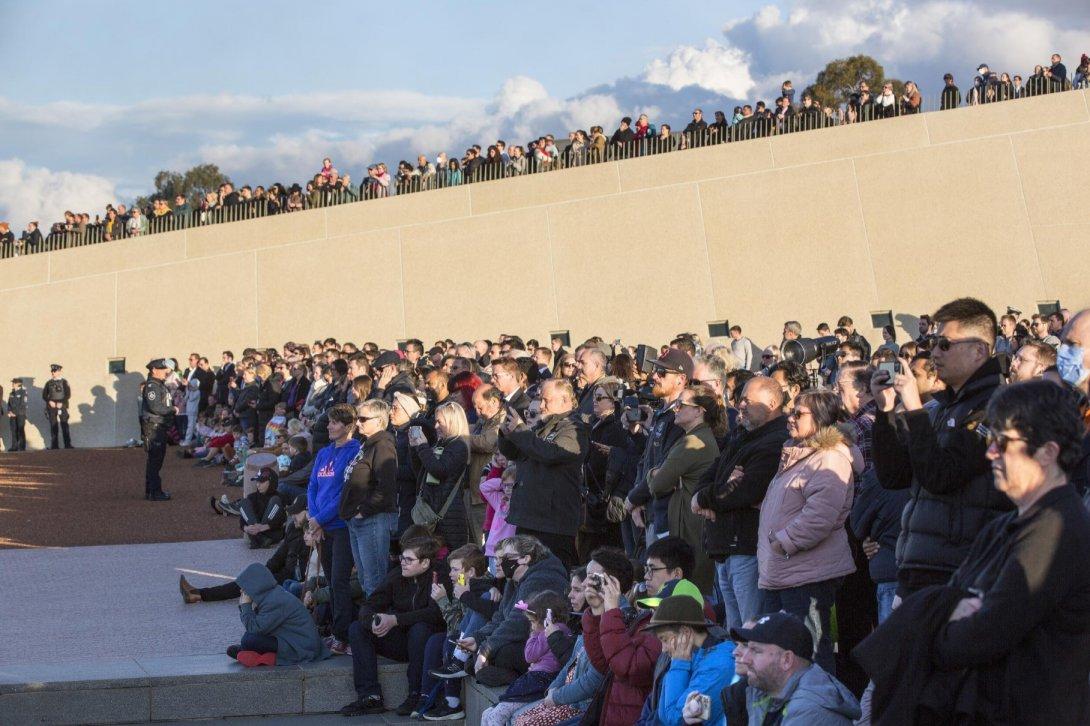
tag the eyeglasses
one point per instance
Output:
(567, 365)
(766, 355)
(798, 413)
(660, 371)
(1001, 441)
(689, 404)
(944, 344)
(649, 571)
(363, 419)
(406, 560)
(602, 398)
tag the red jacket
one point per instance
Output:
(627, 656)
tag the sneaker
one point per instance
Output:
(339, 647)
(233, 651)
(364, 706)
(452, 670)
(442, 711)
(408, 705)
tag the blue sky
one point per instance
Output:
(97, 97)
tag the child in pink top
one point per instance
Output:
(497, 492)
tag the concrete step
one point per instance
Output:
(182, 688)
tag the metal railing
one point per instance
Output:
(568, 154)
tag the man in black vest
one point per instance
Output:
(56, 394)
(156, 418)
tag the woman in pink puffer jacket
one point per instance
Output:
(802, 544)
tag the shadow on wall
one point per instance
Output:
(908, 323)
(103, 421)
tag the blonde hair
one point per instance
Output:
(453, 418)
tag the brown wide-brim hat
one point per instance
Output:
(677, 610)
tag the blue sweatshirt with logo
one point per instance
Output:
(327, 482)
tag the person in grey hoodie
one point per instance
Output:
(279, 630)
(786, 688)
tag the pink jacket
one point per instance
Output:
(801, 537)
(499, 530)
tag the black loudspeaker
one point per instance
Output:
(719, 329)
(881, 318)
(1047, 307)
(644, 355)
(116, 366)
(563, 335)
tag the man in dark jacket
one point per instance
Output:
(407, 410)
(732, 491)
(528, 568)
(483, 440)
(396, 621)
(951, 96)
(671, 375)
(941, 457)
(591, 365)
(393, 375)
(854, 336)
(224, 376)
(547, 500)
(369, 497)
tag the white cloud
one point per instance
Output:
(259, 139)
(719, 68)
(36, 193)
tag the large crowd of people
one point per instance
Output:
(815, 532)
(789, 112)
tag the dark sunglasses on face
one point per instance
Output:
(1001, 441)
(363, 419)
(602, 398)
(944, 344)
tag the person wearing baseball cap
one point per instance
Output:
(785, 685)
(671, 374)
(156, 418)
(393, 374)
(701, 658)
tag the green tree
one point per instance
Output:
(194, 184)
(841, 78)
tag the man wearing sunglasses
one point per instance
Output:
(672, 373)
(941, 454)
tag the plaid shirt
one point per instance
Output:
(863, 423)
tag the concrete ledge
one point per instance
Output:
(478, 698)
(182, 687)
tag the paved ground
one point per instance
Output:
(113, 602)
(80, 497)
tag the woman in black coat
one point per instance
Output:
(1022, 627)
(609, 449)
(441, 471)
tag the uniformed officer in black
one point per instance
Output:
(56, 394)
(156, 418)
(17, 405)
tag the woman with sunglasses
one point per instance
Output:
(610, 447)
(565, 368)
(802, 546)
(369, 499)
(700, 414)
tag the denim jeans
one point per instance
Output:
(813, 604)
(371, 548)
(738, 584)
(886, 591)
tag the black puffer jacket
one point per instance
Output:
(736, 501)
(439, 469)
(953, 496)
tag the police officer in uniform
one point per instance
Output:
(17, 406)
(156, 418)
(56, 394)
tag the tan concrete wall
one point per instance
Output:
(898, 215)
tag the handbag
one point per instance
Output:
(423, 514)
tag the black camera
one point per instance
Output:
(805, 350)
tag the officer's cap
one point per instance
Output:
(162, 363)
(54, 367)
(16, 380)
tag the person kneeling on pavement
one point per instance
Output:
(396, 621)
(288, 563)
(785, 686)
(279, 629)
(261, 513)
